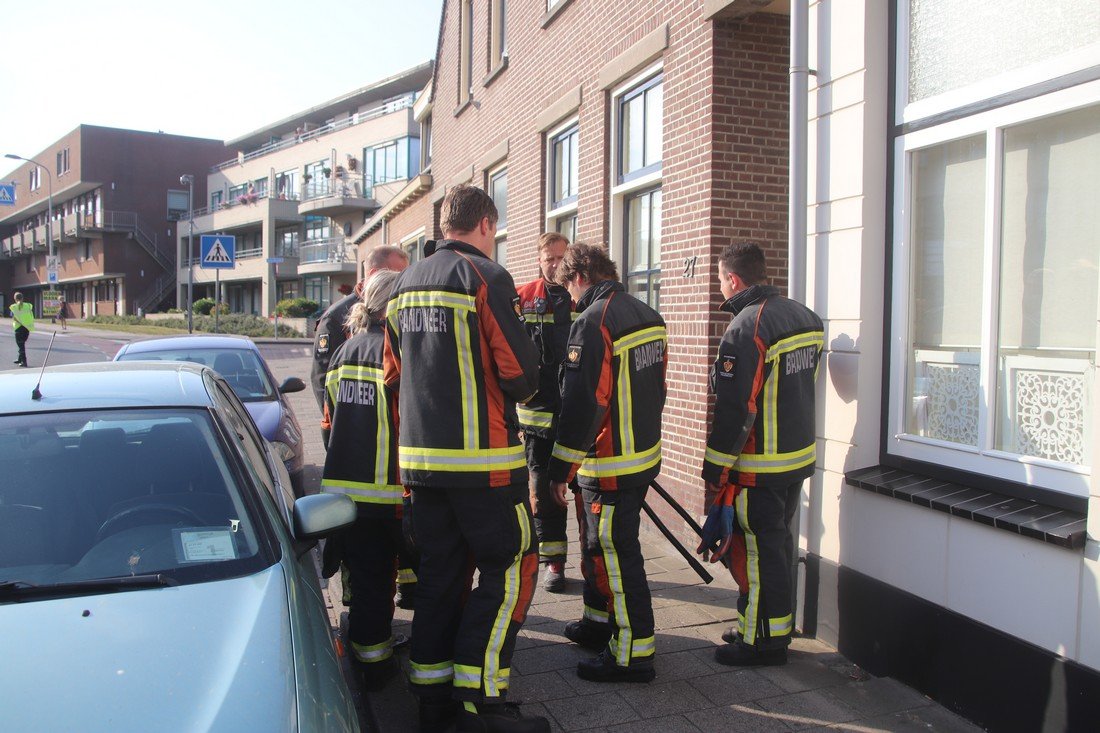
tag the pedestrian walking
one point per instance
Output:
(360, 415)
(761, 448)
(548, 315)
(62, 313)
(457, 350)
(609, 436)
(22, 315)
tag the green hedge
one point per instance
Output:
(296, 307)
(204, 306)
(234, 324)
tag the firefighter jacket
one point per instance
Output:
(763, 429)
(22, 314)
(329, 336)
(613, 393)
(547, 315)
(456, 347)
(361, 413)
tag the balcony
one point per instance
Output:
(66, 230)
(327, 257)
(345, 193)
(245, 210)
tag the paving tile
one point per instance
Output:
(592, 711)
(678, 640)
(527, 709)
(800, 674)
(689, 614)
(740, 718)
(530, 688)
(930, 719)
(670, 724)
(547, 658)
(809, 709)
(664, 698)
(877, 696)
(735, 686)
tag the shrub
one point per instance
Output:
(118, 320)
(296, 307)
(173, 310)
(202, 306)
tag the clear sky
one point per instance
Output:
(193, 67)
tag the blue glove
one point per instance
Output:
(717, 530)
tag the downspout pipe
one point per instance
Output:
(796, 211)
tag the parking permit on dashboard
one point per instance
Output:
(204, 544)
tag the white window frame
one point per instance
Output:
(412, 238)
(569, 209)
(619, 192)
(984, 458)
(502, 232)
(35, 178)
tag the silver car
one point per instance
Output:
(155, 571)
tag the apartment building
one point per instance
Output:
(296, 189)
(115, 200)
(951, 534)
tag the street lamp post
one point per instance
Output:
(49, 200)
(190, 181)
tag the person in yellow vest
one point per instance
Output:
(22, 320)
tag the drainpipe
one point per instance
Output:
(796, 231)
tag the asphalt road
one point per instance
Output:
(69, 347)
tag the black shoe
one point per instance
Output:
(437, 714)
(589, 634)
(375, 675)
(500, 718)
(743, 655)
(603, 668)
(406, 596)
(554, 580)
(18, 362)
(731, 635)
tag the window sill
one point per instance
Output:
(554, 12)
(463, 107)
(492, 75)
(1042, 522)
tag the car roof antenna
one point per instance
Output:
(36, 394)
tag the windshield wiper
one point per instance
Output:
(10, 589)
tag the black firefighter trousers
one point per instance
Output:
(550, 516)
(764, 514)
(462, 646)
(616, 591)
(370, 549)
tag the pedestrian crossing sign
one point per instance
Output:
(7, 194)
(217, 251)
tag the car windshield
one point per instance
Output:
(240, 367)
(119, 493)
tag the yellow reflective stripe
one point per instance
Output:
(552, 549)
(437, 298)
(494, 676)
(640, 648)
(653, 333)
(777, 462)
(358, 371)
(718, 458)
(373, 652)
(447, 459)
(752, 563)
(365, 492)
(567, 454)
(574, 315)
(467, 383)
(332, 379)
(467, 676)
(780, 626)
(431, 674)
(621, 465)
(615, 583)
(799, 341)
(771, 410)
(626, 408)
(406, 575)
(595, 614)
(534, 418)
(538, 317)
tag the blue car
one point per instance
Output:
(155, 571)
(239, 361)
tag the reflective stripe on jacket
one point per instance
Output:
(360, 412)
(547, 315)
(456, 346)
(613, 393)
(763, 433)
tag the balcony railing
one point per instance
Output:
(389, 107)
(242, 200)
(346, 185)
(333, 249)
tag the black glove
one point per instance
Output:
(407, 524)
(332, 555)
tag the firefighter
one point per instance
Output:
(361, 462)
(609, 436)
(761, 448)
(547, 314)
(456, 348)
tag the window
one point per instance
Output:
(498, 191)
(318, 227)
(62, 161)
(639, 116)
(287, 243)
(643, 245)
(567, 227)
(259, 187)
(392, 161)
(236, 192)
(85, 250)
(215, 199)
(286, 185)
(498, 32)
(413, 246)
(34, 178)
(426, 142)
(316, 182)
(996, 269)
(316, 288)
(465, 52)
(564, 167)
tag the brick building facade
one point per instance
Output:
(709, 164)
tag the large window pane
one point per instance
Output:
(642, 246)
(1050, 261)
(633, 128)
(654, 112)
(498, 191)
(564, 160)
(567, 227)
(947, 234)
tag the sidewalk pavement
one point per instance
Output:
(818, 689)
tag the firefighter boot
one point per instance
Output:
(589, 634)
(437, 713)
(498, 718)
(603, 668)
(740, 654)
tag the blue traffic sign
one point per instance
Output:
(7, 194)
(217, 251)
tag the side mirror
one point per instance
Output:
(292, 384)
(320, 514)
